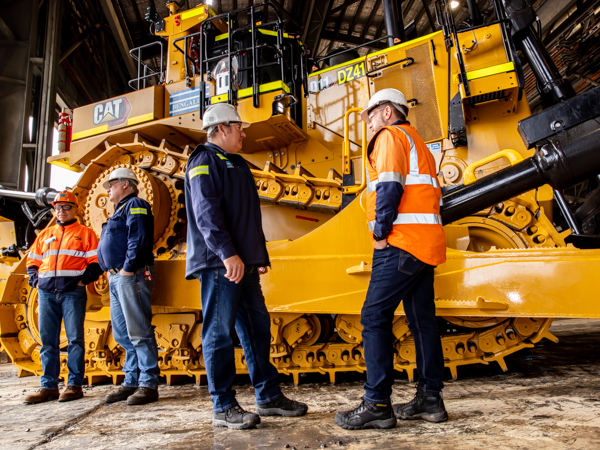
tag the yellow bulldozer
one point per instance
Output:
(510, 268)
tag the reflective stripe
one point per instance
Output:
(199, 170)
(76, 253)
(421, 179)
(61, 273)
(35, 257)
(412, 219)
(387, 177)
(138, 211)
(414, 177)
(383, 177)
(414, 157)
(220, 156)
(370, 184)
(487, 71)
(441, 201)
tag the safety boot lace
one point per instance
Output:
(364, 406)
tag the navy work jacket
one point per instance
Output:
(128, 236)
(223, 211)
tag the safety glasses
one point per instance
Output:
(63, 207)
(372, 113)
(112, 183)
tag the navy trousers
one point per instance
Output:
(399, 276)
(226, 307)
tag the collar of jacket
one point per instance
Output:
(371, 145)
(208, 146)
(67, 223)
(215, 148)
(124, 200)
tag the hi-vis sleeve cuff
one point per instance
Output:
(61, 273)
(138, 211)
(198, 170)
(35, 257)
(412, 219)
(384, 177)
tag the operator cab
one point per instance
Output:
(253, 57)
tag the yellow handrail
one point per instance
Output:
(513, 157)
(346, 153)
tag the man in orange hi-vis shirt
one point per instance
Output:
(60, 263)
(403, 215)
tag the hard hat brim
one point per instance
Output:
(62, 201)
(364, 115)
(107, 182)
(205, 128)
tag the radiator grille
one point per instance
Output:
(486, 97)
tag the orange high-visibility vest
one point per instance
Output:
(63, 251)
(400, 156)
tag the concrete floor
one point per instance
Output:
(550, 398)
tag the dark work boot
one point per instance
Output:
(367, 415)
(71, 393)
(42, 395)
(120, 394)
(425, 406)
(283, 406)
(143, 395)
(236, 418)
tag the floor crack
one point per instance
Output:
(66, 426)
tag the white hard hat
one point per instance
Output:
(122, 173)
(221, 113)
(394, 96)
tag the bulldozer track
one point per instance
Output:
(300, 342)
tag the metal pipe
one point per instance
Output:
(394, 23)
(253, 37)
(475, 13)
(43, 196)
(564, 208)
(553, 87)
(19, 195)
(567, 158)
(492, 189)
(45, 132)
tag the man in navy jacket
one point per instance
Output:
(226, 252)
(125, 252)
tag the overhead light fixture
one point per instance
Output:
(454, 4)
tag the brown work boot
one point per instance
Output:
(120, 394)
(71, 393)
(143, 395)
(43, 395)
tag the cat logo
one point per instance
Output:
(112, 112)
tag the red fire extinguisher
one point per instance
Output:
(65, 130)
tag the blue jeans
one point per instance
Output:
(53, 309)
(131, 320)
(226, 305)
(399, 276)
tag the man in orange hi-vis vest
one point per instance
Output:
(60, 263)
(403, 215)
